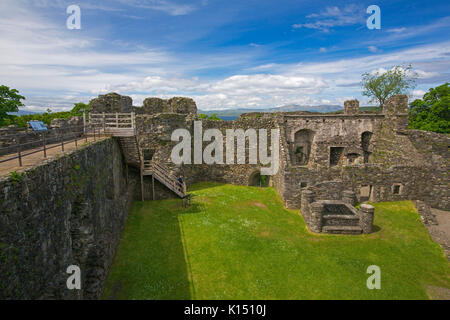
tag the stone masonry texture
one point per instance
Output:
(68, 211)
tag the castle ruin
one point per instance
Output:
(371, 156)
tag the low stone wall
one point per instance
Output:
(336, 216)
(68, 211)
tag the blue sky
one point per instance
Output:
(223, 54)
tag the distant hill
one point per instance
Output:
(235, 113)
(22, 113)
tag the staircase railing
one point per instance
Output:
(113, 120)
(123, 125)
(163, 175)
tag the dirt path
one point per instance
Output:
(32, 160)
(441, 232)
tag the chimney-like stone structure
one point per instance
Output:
(366, 216)
(396, 109)
(351, 106)
(397, 104)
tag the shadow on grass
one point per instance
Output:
(376, 229)
(151, 262)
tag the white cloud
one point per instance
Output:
(268, 84)
(396, 30)
(334, 17)
(373, 49)
(169, 7)
(417, 94)
(57, 67)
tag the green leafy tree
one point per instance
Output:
(80, 108)
(213, 117)
(380, 86)
(10, 101)
(46, 117)
(432, 112)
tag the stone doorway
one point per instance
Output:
(366, 193)
(258, 180)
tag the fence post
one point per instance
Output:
(104, 123)
(45, 144)
(117, 120)
(19, 153)
(62, 141)
(94, 134)
(84, 122)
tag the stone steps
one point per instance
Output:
(342, 229)
(340, 220)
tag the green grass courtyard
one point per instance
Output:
(238, 242)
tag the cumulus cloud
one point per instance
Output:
(268, 84)
(417, 94)
(55, 68)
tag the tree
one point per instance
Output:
(9, 102)
(213, 117)
(432, 112)
(381, 85)
(80, 108)
(46, 117)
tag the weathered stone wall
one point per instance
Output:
(434, 148)
(372, 154)
(177, 105)
(395, 164)
(335, 216)
(68, 211)
(111, 103)
(154, 135)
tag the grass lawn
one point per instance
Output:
(240, 243)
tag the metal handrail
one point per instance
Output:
(60, 139)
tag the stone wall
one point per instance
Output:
(371, 154)
(68, 211)
(177, 105)
(111, 103)
(154, 135)
(335, 216)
